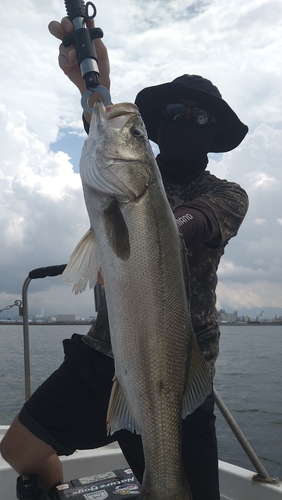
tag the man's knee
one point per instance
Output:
(21, 449)
(3, 450)
(6, 448)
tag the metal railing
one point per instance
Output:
(262, 475)
(40, 272)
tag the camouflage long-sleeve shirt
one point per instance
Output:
(209, 211)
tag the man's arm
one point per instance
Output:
(197, 224)
(214, 217)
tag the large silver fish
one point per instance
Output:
(160, 373)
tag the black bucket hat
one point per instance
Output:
(230, 130)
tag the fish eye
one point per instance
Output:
(136, 132)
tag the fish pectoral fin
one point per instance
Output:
(117, 231)
(199, 382)
(84, 264)
(119, 416)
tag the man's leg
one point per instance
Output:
(67, 412)
(199, 452)
(28, 454)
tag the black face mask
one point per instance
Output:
(183, 149)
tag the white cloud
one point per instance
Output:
(260, 222)
(42, 207)
(247, 296)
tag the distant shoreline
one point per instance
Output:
(48, 323)
(267, 323)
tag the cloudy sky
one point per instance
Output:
(42, 214)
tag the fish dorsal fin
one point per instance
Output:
(199, 382)
(119, 416)
(116, 230)
(83, 265)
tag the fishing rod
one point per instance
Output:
(82, 38)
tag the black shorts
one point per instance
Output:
(68, 411)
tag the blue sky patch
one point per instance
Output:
(71, 143)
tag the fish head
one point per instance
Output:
(117, 158)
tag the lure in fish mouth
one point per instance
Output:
(161, 375)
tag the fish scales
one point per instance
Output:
(141, 256)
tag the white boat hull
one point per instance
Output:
(235, 483)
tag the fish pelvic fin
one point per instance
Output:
(199, 381)
(116, 230)
(119, 415)
(83, 265)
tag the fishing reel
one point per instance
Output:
(82, 39)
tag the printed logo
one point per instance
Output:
(97, 477)
(127, 489)
(183, 219)
(98, 495)
(127, 471)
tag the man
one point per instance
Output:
(187, 118)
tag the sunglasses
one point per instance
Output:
(177, 111)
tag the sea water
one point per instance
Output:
(248, 379)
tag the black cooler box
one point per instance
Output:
(112, 485)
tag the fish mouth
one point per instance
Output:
(115, 110)
(114, 115)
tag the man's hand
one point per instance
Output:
(68, 62)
